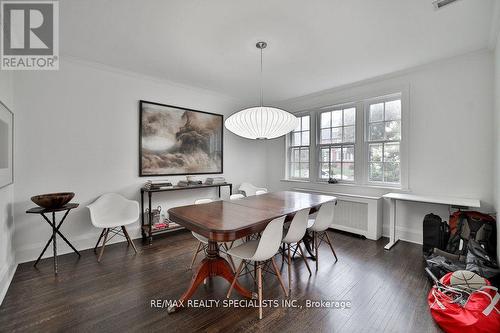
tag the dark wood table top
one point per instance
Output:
(230, 220)
(41, 210)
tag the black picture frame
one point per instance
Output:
(141, 172)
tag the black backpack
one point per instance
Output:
(435, 233)
(471, 225)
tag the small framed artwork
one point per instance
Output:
(6, 146)
(179, 141)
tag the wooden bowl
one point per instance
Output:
(53, 200)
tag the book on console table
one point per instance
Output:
(165, 226)
(185, 183)
(215, 180)
(157, 185)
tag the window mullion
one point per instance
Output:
(383, 162)
(329, 161)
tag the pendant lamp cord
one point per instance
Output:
(261, 81)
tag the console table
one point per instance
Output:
(147, 226)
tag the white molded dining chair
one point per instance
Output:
(236, 196)
(202, 240)
(318, 227)
(295, 233)
(113, 212)
(260, 253)
(249, 189)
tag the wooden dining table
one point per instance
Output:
(227, 221)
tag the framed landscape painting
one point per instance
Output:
(6, 146)
(179, 141)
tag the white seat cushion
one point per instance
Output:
(201, 238)
(245, 250)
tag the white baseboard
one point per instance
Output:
(84, 242)
(6, 275)
(406, 234)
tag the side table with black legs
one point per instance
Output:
(55, 228)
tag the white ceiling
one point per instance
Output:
(313, 45)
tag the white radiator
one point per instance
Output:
(358, 214)
(351, 215)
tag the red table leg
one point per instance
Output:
(212, 265)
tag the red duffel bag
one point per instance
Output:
(456, 311)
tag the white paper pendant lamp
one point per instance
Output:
(261, 122)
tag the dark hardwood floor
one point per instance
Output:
(387, 291)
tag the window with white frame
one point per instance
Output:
(383, 138)
(361, 141)
(337, 137)
(299, 149)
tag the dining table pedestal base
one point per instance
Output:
(212, 265)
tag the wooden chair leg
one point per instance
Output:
(279, 276)
(254, 273)
(99, 240)
(316, 252)
(289, 270)
(103, 245)
(259, 286)
(238, 272)
(283, 249)
(331, 246)
(304, 258)
(129, 240)
(195, 255)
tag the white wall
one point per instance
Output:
(450, 131)
(78, 131)
(7, 254)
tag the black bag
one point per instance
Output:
(440, 265)
(435, 233)
(480, 262)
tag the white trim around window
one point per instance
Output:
(361, 142)
(298, 144)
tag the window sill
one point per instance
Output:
(296, 180)
(382, 187)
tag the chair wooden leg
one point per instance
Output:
(254, 273)
(259, 285)
(99, 240)
(103, 245)
(238, 272)
(289, 270)
(279, 276)
(195, 255)
(129, 240)
(316, 247)
(304, 258)
(283, 249)
(331, 246)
